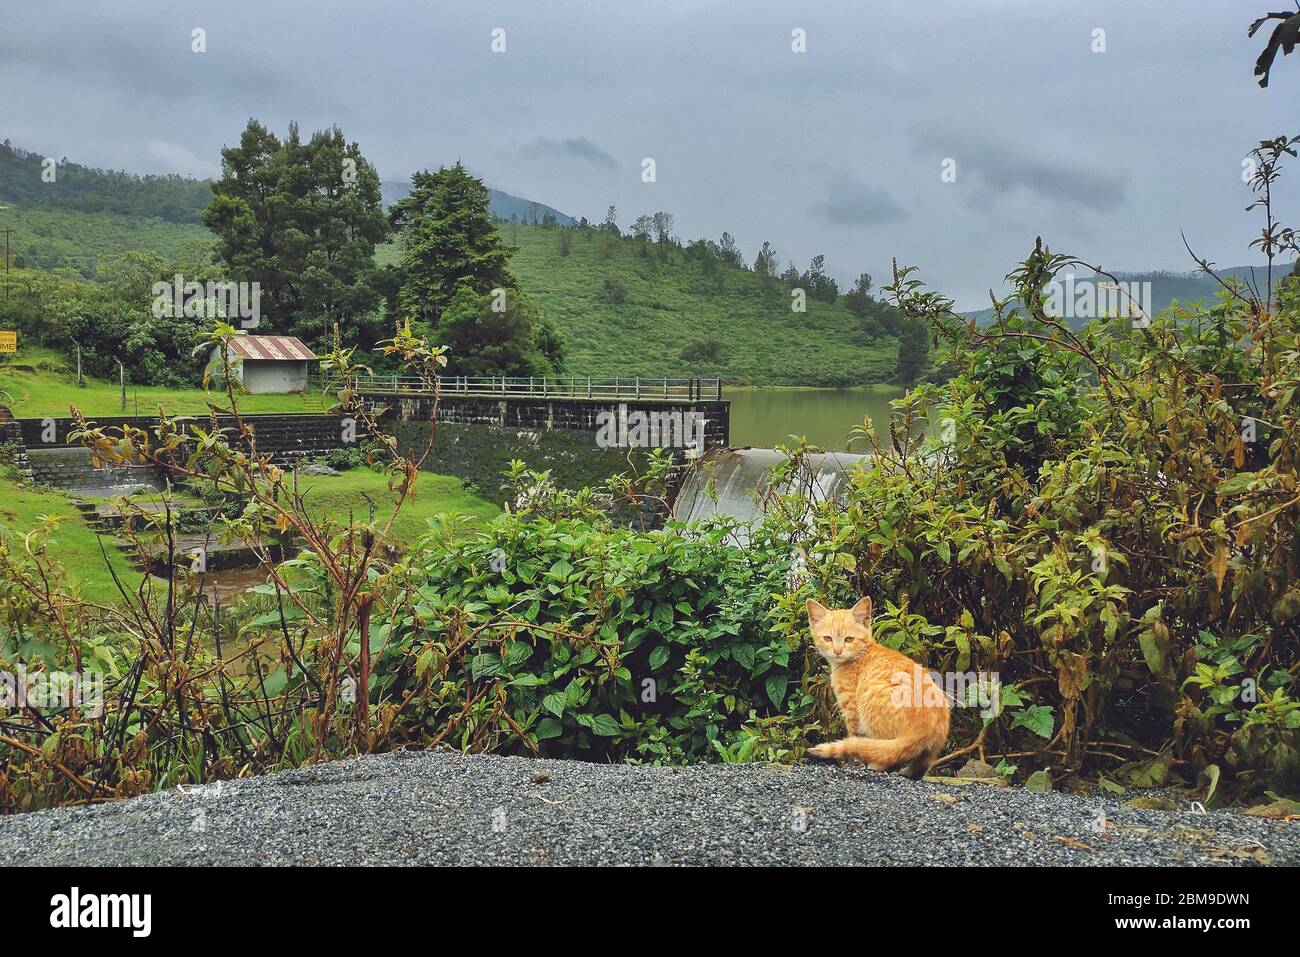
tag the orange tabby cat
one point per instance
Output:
(896, 716)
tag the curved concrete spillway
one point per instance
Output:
(741, 482)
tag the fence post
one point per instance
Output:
(638, 387)
(588, 387)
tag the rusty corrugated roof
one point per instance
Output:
(270, 348)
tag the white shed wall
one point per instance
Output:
(262, 377)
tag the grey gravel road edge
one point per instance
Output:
(446, 808)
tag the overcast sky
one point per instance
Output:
(837, 150)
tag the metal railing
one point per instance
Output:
(547, 387)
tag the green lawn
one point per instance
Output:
(339, 495)
(74, 544)
(38, 391)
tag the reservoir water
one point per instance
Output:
(765, 418)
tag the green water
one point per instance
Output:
(765, 418)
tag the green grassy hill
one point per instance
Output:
(671, 305)
(621, 312)
(667, 306)
(86, 214)
(73, 240)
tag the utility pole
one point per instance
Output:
(8, 231)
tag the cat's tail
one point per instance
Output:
(883, 753)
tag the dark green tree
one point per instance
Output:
(858, 298)
(498, 334)
(449, 240)
(817, 283)
(456, 283)
(729, 253)
(302, 220)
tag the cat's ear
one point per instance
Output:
(862, 612)
(816, 612)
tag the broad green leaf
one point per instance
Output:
(776, 685)
(549, 728)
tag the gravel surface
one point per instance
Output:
(447, 808)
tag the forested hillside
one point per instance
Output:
(1161, 288)
(34, 180)
(53, 239)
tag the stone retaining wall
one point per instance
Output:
(71, 468)
(285, 436)
(477, 438)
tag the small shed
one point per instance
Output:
(269, 364)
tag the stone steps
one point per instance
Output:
(11, 433)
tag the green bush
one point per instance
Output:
(1109, 521)
(347, 458)
(707, 351)
(604, 643)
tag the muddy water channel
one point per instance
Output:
(226, 585)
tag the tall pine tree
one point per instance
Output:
(456, 283)
(449, 239)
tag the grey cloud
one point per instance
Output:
(149, 58)
(850, 202)
(578, 147)
(1002, 167)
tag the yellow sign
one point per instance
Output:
(8, 340)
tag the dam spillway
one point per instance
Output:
(738, 483)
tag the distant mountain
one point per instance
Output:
(503, 205)
(1159, 295)
(176, 199)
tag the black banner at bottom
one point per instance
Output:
(147, 906)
